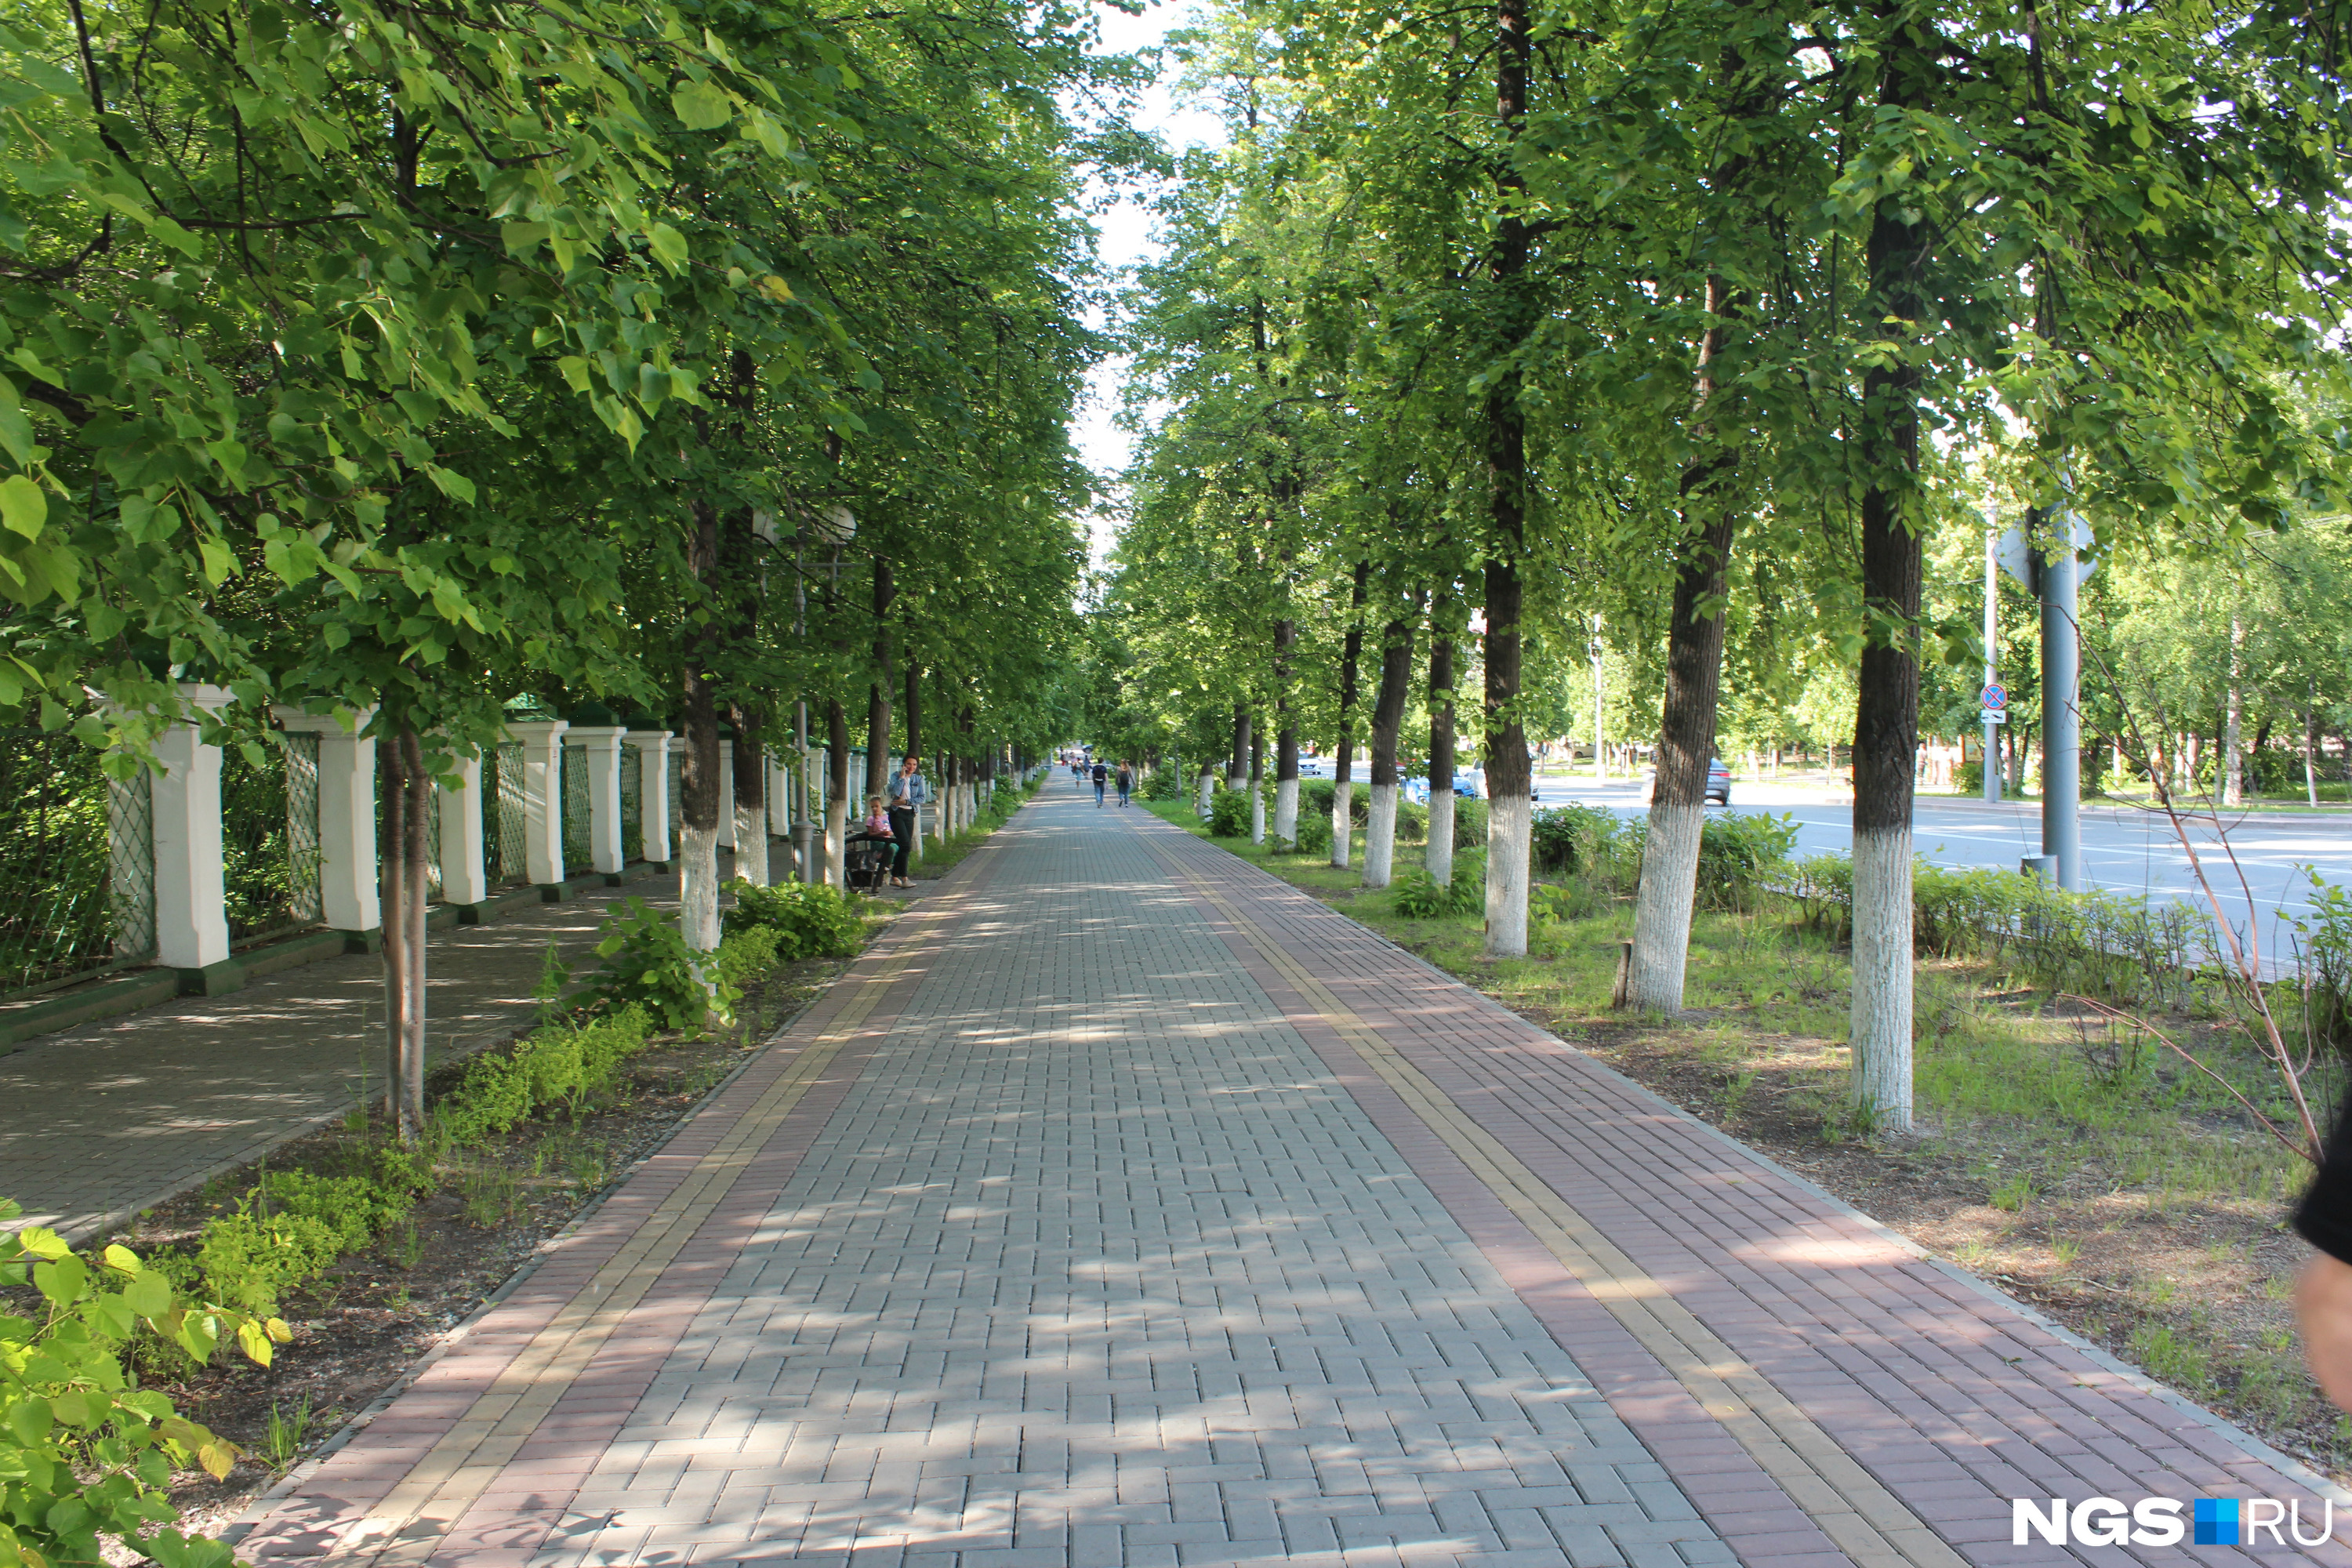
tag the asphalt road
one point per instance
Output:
(2124, 850)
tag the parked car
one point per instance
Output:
(1469, 783)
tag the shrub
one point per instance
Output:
(291, 1226)
(1571, 838)
(647, 965)
(1738, 855)
(746, 954)
(1419, 896)
(1469, 824)
(1969, 777)
(1315, 829)
(811, 920)
(1163, 784)
(566, 1064)
(1413, 821)
(1229, 814)
(86, 1455)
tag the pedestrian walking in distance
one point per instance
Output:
(1126, 781)
(1102, 777)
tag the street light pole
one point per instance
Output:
(1992, 659)
(2062, 716)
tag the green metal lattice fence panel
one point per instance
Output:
(578, 841)
(505, 848)
(676, 795)
(57, 920)
(269, 838)
(632, 798)
(131, 866)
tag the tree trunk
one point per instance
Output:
(2233, 722)
(1437, 853)
(1343, 776)
(1387, 719)
(1238, 771)
(1886, 712)
(697, 769)
(1669, 885)
(1286, 737)
(915, 749)
(2311, 747)
(877, 691)
(1257, 787)
(836, 793)
(750, 802)
(403, 1093)
(415, 891)
(1509, 807)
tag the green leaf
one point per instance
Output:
(220, 564)
(148, 1295)
(669, 246)
(23, 507)
(700, 106)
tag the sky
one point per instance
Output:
(1125, 238)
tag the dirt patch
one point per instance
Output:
(362, 1326)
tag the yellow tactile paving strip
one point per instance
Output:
(1865, 1521)
(407, 1527)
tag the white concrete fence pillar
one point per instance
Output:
(191, 892)
(348, 854)
(652, 747)
(603, 744)
(465, 871)
(542, 801)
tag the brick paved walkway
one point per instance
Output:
(1125, 1206)
(107, 1119)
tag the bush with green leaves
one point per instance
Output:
(811, 919)
(1315, 829)
(1229, 814)
(1741, 856)
(1419, 896)
(1469, 824)
(85, 1458)
(647, 965)
(1412, 821)
(291, 1225)
(1569, 839)
(1163, 784)
(568, 1065)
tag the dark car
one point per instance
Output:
(1718, 783)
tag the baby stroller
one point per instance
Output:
(867, 862)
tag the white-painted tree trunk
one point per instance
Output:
(1379, 836)
(836, 842)
(1662, 909)
(1208, 788)
(1343, 829)
(1257, 813)
(1509, 823)
(1437, 857)
(697, 888)
(1285, 810)
(2233, 724)
(752, 842)
(1882, 977)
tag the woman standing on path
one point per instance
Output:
(908, 790)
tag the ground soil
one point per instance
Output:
(360, 1328)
